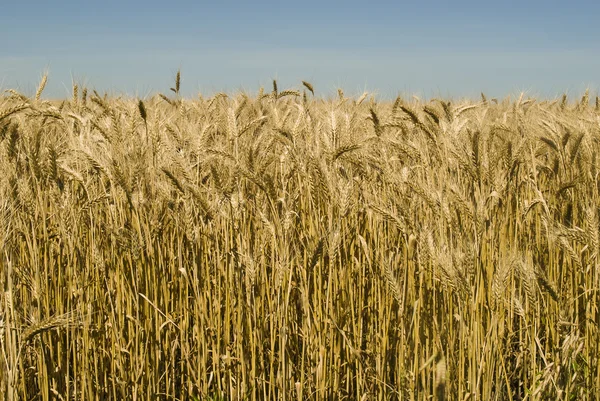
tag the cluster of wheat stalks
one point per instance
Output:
(286, 247)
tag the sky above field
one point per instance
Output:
(428, 48)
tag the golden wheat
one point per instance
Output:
(281, 246)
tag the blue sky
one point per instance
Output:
(433, 48)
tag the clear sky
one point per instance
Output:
(427, 48)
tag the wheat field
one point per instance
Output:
(285, 246)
